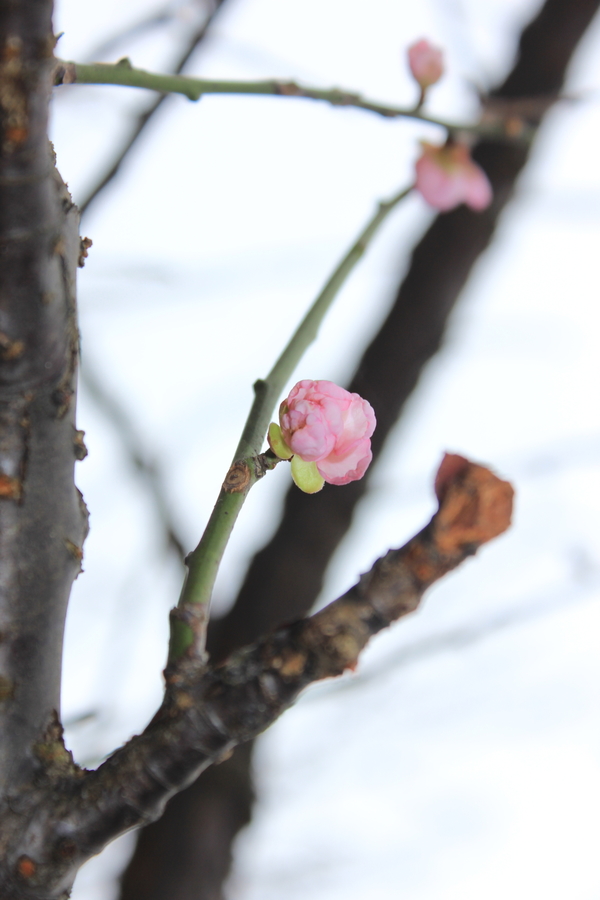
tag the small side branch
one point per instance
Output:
(124, 74)
(188, 624)
(206, 714)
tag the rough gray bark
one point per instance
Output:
(285, 578)
(42, 520)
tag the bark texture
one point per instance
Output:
(42, 520)
(285, 578)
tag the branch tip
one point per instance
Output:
(475, 505)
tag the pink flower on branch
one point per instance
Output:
(326, 431)
(447, 176)
(426, 63)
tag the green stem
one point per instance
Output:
(203, 563)
(268, 391)
(123, 73)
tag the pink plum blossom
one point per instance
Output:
(447, 176)
(324, 424)
(426, 63)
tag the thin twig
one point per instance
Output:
(188, 624)
(124, 74)
(161, 16)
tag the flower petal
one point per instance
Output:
(352, 467)
(323, 423)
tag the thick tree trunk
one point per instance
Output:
(42, 518)
(285, 577)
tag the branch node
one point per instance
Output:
(84, 245)
(81, 450)
(10, 349)
(51, 752)
(10, 488)
(75, 551)
(65, 73)
(238, 478)
(288, 89)
(187, 655)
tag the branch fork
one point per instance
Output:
(208, 710)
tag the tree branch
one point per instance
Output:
(124, 74)
(162, 16)
(206, 713)
(188, 622)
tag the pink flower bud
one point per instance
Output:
(447, 176)
(426, 63)
(323, 424)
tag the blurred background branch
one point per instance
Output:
(107, 403)
(143, 119)
(184, 10)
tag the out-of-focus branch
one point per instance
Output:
(164, 16)
(148, 114)
(206, 713)
(312, 527)
(136, 454)
(106, 402)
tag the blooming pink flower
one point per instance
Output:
(447, 176)
(426, 63)
(322, 423)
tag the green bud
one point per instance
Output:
(277, 443)
(306, 475)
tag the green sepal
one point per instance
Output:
(277, 443)
(306, 475)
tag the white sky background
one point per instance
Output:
(454, 768)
